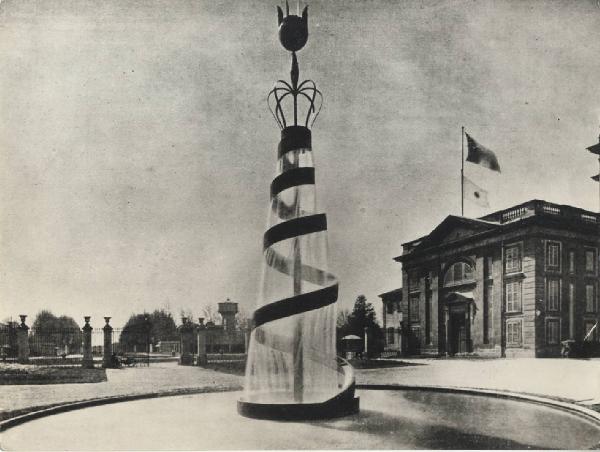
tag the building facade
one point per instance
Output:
(392, 320)
(516, 282)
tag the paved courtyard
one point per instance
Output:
(571, 379)
(568, 379)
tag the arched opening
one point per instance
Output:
(458, 273)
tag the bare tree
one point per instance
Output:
(243, 318)
(211, 313)
(342, 317)
(187, 313)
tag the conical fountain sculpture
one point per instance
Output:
(293, 371)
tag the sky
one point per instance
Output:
(136, 149)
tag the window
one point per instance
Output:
(553, 255)
(389, 307)
(413, 308)
(571, 261)
(513, 332)
(390, 336)
(513, 296)
(458, 273)
(553, 294)
(591, 330)
(552, 331)
(590, 260)
(512, 259)
(590, 298)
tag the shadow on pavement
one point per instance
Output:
(410, 432)
(381, 363)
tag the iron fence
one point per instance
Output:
(130, 345)
(8, 341)
(223, 341)
(225, 357)
(391, 354)
(64, 347)
(50, 346)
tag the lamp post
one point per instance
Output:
(147, 330)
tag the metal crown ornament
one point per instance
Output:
(283, 99)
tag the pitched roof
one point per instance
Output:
(451, 222)
(391, 293)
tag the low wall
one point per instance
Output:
(50, 375)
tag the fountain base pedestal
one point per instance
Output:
(343, 404)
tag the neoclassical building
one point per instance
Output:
(392, 318)
(513, 283)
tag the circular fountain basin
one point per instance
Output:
(389, 419)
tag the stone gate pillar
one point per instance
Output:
(88, 360)
(202, 359)
(23, 341)
(188, 337)
(107, 355)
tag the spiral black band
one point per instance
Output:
(295, 305)
(295, 228)
(292, 178)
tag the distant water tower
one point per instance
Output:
(228, 310)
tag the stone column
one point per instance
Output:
(447, 326)
(107, 356)
(88, 360)
(202, 359)
(398, 332)
(23, 341)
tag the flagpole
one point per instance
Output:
(462, 173)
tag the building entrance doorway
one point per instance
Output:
(459, 333)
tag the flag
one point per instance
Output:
(596, 177)
(481, 155)
(475, 193)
